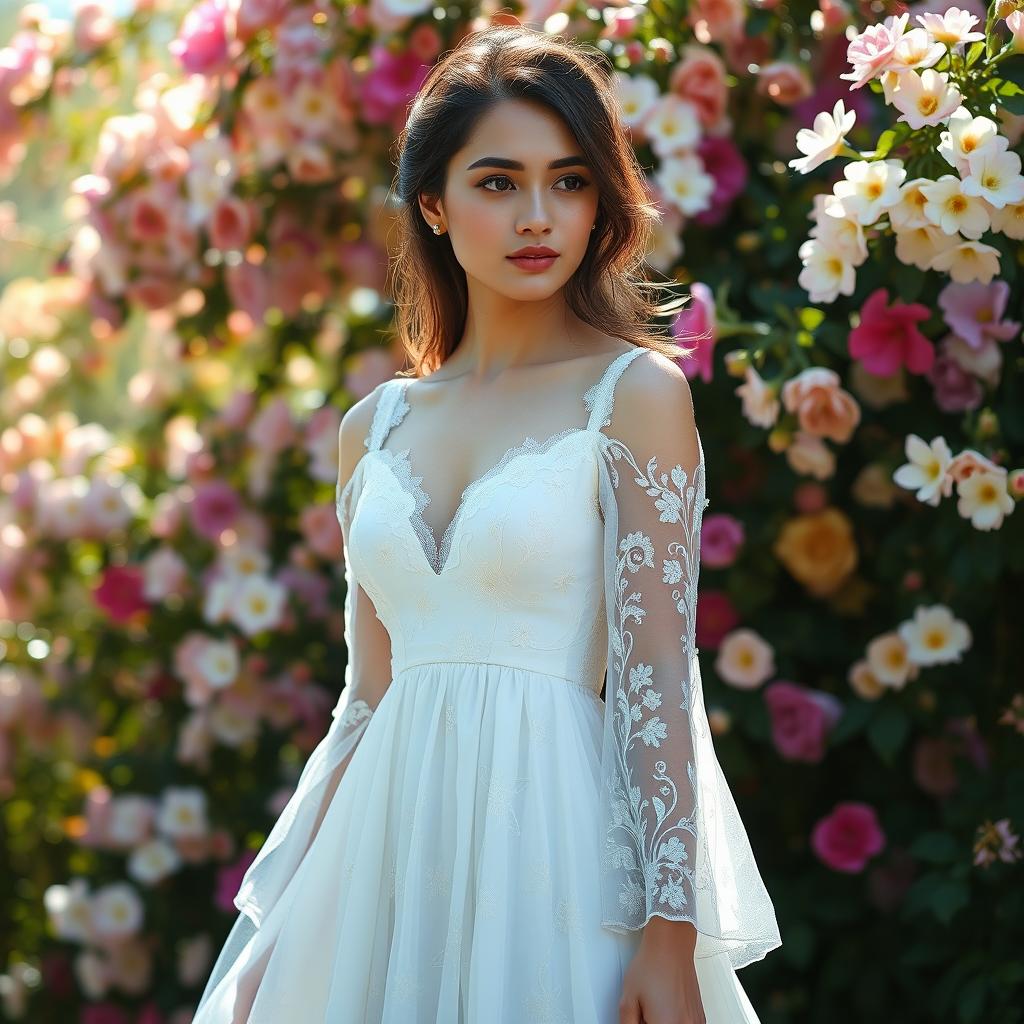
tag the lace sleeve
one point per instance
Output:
(367, 677)
(674, 845)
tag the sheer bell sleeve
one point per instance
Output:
(673, 844)
(367, 677)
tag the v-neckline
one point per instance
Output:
(437, 555)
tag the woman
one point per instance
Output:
(479, 836)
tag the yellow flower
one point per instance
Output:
(818, 550)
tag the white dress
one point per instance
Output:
(479, 835)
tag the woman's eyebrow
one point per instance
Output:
(514, 165)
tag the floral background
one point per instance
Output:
(194, 224)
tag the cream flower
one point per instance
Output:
(685, 183)
(259, 604)
(925, 99)
(1009, 220)
(153, 861)
(995, 174)
(889, 660)
(837, 231)
(869, 188)
(827, 271)
(116, 911)
(745, 659)
(918, 247)
(926, 470)
(965, 135)
(954, 210)
(864, 682)
(825, 139)
(182, 813)
(636, 94)
(672, 125)
(909, 211)
(969, 261)
(760, 402)
(218, 663)
(916, 49)
(952, 28)
(69, 910)
(934, 637)
(984, 499)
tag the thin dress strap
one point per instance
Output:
(600, 398)
(391, 407)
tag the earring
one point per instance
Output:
(592, 226)
(437, 229)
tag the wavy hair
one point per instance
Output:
(573, 79)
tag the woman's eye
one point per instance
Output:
(504, 177)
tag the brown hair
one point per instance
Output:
(574, 80)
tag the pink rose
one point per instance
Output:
(232, 224)
(717, 20)
(848, 837)
(822, 407)
(887, 336)
(119, 592)
(874, 50)
(783, 82)
(801, 720)
(934, 768)
(694, 327)
(254, 15)
(956, 390)
(215, 508)
(319, 525)
(202, 44)
(700, 78)
(716, 617)
(724, 162)
(721, 537)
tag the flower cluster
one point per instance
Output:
(944, 93)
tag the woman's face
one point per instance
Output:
(503, 193)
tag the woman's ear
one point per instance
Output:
(432, 210)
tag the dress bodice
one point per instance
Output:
(518, 577)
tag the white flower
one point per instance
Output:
(889, 662)
(836, 231)
(637, 95)
(1009, 220)
(672, 125)
(934, 637)
(760, 402)
(218, 663)
(825, 139)
(131, 818)
(952, 28)
(182, 813)
(233, 723)
(984, 499)
(745, 659)
(153, 861)
(69, 909)
(827, 271)
(869, 188)
(953, 210)
(685, 183)
(243, 559)
(110, 504)
(926, 98)
(909, 211)
(965, 134)
(116, 911)
(917, 49)
(926, 470)
(918, 247)
(93, 973)
(995, 174)
(969, 261)
(258, 604)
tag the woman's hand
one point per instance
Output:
(660, 985)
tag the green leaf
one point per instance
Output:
(907, 281)
(810, 317)
(1013, 102)
(1012, 70)
(885, 142)
(888, 731)
(936, 847)
(974, 53)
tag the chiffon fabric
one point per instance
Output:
(480, 836)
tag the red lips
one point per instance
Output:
(532, 250)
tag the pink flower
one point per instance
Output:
(974, 311)
(724, 162)
(848, 837)
(956, 390)
(887, 336)
(103, 1013)
(319, 525)
(784, 82)
(823, 408)
(721, 537)
(256, 14)
(392, 80)
(700, 78)
(229, 879)
(232, 223)
(202, 44)
(874, 50)
(119, 592)
(801, 720)
(716, 617)
(214, 509)
(695, 327)
(718, 20)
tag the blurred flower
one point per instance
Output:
(889, 661)
(887, 336)
(721, 537)
(745, 660)
(984, 499)
(823, 408)
(934, 637)
(847, 838)
(117, 912)
(975, 311)
(818, 550)
(760, 401)
(995, 842)
(119, 592)
(801, 720)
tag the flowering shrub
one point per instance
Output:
(177, 366)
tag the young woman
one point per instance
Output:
(480, 837)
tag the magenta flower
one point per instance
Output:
(801, 720)
(229, 879)
(887, 336)
(103, 1013)
(956, 390)
(975, 311)
(716, 617)
(696, 327)
(392, 80)
(848, 837)
(202, 44)
(119, 592)
(724, 162)
(215, 508)
(721, 537)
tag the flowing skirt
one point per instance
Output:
(453, 878)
